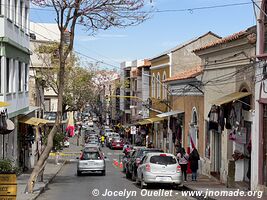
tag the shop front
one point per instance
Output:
(229, 129)
(31, 141)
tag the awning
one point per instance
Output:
(33, 121)
(144, 122)
(231, 97)
(4, 104)
(155, 119)
(167, 114)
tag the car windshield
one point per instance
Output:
(163, 160)
(116, 140)
(91, 156)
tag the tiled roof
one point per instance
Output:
(222, 41)
(191, 73)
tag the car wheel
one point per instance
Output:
(79, 173)
(104, 173)
(143, 184)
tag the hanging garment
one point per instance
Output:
(213, 118)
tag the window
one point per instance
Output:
(9, 9)
(0, 7)
(164, 89)
(20, 81)
(16, 12)
(158, 86)
(20, 14)
(163, 159)
(26, 19)
(153, 86)
(26, 77)
(7, 75)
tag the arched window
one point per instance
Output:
(158, 86)
(164, 86)
(153, 89)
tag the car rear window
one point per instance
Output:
(91, 156)
(163, 160)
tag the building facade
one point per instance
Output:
(228, 100)
(14, 69)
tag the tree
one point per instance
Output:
(93, 15)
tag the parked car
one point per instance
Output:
(91, 160)
(160, 168)
(136, 159)
(116, 143)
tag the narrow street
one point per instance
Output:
(68, 186)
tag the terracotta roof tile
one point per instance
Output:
(222, 41)
(191, 73)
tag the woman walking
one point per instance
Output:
(194, 158)
(183, 161)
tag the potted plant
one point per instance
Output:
(8, 178)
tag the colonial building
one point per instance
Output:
(228, 85)
(166, 65)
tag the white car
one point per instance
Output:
(160, 168)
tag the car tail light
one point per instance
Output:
(162, 155)
(138, 160)
(148, 168)
(178, 169)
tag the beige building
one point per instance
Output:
(228, 82)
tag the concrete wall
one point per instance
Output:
(183, 58)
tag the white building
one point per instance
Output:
(14, 68)
(43, 34)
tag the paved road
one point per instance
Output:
(68, 186)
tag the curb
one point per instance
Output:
(42, 189)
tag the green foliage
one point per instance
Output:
(7, 166)
(57, 141)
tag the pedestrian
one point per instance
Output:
(183, 162)
(194, 158)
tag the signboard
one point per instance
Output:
(133, 130)
(8, 186)
(6, 190)
(8, 198)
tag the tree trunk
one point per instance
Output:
(45, 154)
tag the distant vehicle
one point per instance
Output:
(90, 123)
(160, 168)
(117, 143)
(91, 160)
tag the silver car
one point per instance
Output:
(159, 168)
(91, 160)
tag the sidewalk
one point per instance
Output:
(51, 170)
(204, 183)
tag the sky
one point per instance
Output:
(181, 21)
